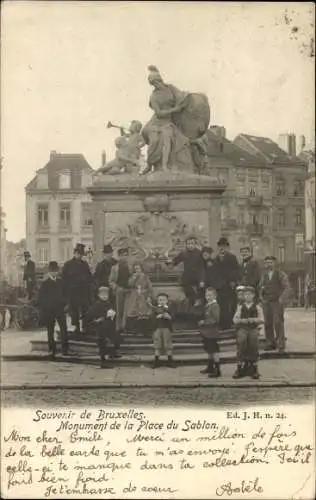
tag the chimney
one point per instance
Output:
(287, 142)
(103, 158)
(53, 154)
(218, 130)
(302, 143)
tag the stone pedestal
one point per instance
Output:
(153, 214)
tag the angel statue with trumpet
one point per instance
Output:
(128, 158)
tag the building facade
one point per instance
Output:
(310, 251)
(246, 214)
(288, 174)
(59, 209)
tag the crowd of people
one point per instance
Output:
(229, 293)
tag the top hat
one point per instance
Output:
(53, 266)
(107, 249)
(80, 248)
(223, 242)
(122, 251)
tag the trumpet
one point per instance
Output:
(112, 125)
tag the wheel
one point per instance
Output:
(27, 317)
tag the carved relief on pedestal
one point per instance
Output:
(155, 236)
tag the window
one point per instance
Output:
(64, 180)
(86, 179)
(298, 219)
(65, 249)
(252, 184)
(254, 219)
(252, 191)
(87, 214)
(265, 182)
(42, 215)
(241, 218)
(299, 253)
(281, 217)
(281, 253)
(42, 252)
(280, 187)
(64, 214)
(266, 218)
(42, 180)
(298, 189)
(241, 183)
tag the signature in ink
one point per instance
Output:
(246, 486)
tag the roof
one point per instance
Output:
(266, 148)
(75, 164)
(218, 145)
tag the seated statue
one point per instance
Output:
(128, 151)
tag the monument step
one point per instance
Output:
(85, 348)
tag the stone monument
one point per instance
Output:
(152, 208)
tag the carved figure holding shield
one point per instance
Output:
(179, 118)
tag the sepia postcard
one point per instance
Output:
(157, 256)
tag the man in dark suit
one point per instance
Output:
(78, 282)
(192, 279)
(227, 276)
(103, 270)
(29, 275)
(249, 270)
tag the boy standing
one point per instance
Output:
(52, 301)
(162, 336)
(247, 318)
(101, 317)
(192, 279)
(209, 332)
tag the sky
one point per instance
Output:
(67, 68)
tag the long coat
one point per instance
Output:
(78, 280)
(141, 291)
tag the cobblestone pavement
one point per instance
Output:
(14, 374)
(210, 396)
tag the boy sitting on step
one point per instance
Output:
(162, 336)
(209, 332)
(247, 318)
(101, 319)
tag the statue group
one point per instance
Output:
(173, 134)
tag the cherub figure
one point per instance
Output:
(128, 151)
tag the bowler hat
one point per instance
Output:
(53, 266)
(107, 249)
(223, 242)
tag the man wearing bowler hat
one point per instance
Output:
(103, 269)
(78, 281)
(29, 275)
(119, 282)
